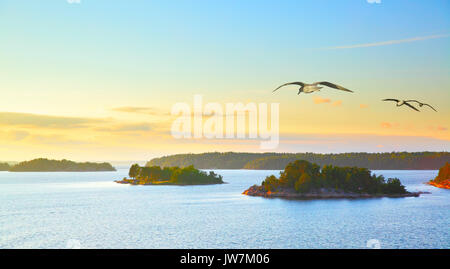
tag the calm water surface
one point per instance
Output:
(88, 210)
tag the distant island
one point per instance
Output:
(156, 175)
(4, 166)
(443, 178)
(277, 161)
(46, 165)
(304, 180)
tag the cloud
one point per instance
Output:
(362, 106)
(337, 103)
(390, 42)
(35, 120)
(19, 135)
(15, 135)
(437, 128)
(138, 110)
(374, 1)
(386, 125)
(133, 127)
(58, 140)
(320, 100)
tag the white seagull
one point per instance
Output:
(309, 88)
(401, 102)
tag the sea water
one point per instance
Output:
(89, 210)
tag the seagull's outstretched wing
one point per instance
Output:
(411, 106)
(332, 85)
(421, 104)
(394, 100)
(301, 84)
(430, 107)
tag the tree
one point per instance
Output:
(393, 185)
(444, 173)
(303, 184)
(134, 171)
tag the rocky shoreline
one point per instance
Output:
(445, 185)
(158, 183)
(321, 194)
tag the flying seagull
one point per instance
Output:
(421, 104)
(402, 102)
(309, 88)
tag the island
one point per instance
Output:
(4, 166)
(155, 175)
(46, 165)
(443, 178)
(304, 180)
(277, 161)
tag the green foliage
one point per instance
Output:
(304, 183)
(295, 170)
(134, 170)
(393, 186)
(45, 165)
(4, 166)
(173, 175)
(270, 183)
(277, 161)
(444, 174)
(304, 177)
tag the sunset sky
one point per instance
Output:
(96, 80)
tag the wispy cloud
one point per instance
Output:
(362, 106)
(138, 110)
(337, 103)
(46, 121)
(437, 128)
(14, 135)
(390, 42)
(132, 127)
(320, 100)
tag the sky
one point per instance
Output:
(96, 80)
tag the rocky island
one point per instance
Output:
(443, 178)
(304, 180)
(4, 166)
(155, 175)
(46, 165)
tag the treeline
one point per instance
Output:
(277, 161)
(306, 177)
(171, 175)
(4, 166)
(46, 165)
